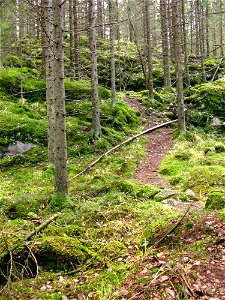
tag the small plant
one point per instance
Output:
(189, 225)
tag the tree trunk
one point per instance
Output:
(165, 42)
(76, 40)
(100, 20)
(221, 28)
(61, 177)
(207, 27)
(71, 27)
(149, 49)
(185, 45)
(94, 73)
(201, 37)
(49, 76)
(112, 50)
(176, 19)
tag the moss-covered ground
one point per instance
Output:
(110, 220)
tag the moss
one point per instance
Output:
(21, 207)
(216, 200)
(60, 253)
(136, 189)
(82, 90)
(206, 101)
(219, 147)
(194, 163)
(28, 158)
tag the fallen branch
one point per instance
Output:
(42, 226)
(172, 229)
(30, 235)
(122, 144)
(217, 69)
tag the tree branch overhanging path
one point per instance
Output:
(132, 138)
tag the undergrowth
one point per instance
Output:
(197, 162)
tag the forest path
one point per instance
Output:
(199, 272)
(159, 143)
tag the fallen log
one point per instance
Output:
(122, 144)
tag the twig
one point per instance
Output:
(122, 144)
(35, 260)
(42, 226)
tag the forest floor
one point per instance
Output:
(139, 247)
(192, 276)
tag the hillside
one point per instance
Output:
(103, 242)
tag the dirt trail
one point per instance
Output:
(159, 143)
(203, 278)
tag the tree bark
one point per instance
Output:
(61, 177)
(112, 50)
(76, 40)
(185, 45)
(96, 127)
(165, 42)
(176, 19)
(47, 49)
(148, 49)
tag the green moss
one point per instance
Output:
(60, 253)
(76, 90)
(21, 207)
(28, 158)
(219, 147)
(216, 200)
(195, 164)
(136, 189)
(206, 101)
(16, 127)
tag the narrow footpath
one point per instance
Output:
(170, 273)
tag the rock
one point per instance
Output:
(185, 260)
(216, 122)
(190, 194)
(18, 148)
(219, 147)
(165, 194)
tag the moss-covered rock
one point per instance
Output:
(206, 101)
(22, 207)
(60, 252)
(216, 200)
(219, 147)
(136, 189)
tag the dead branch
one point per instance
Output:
(173, 228)
(217, 69)
(42, 226)
(30, 235)
(122, 144)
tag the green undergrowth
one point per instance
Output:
(197, 162)
(108, 219)
(206, 101)
(27, 122)
(33, 87)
